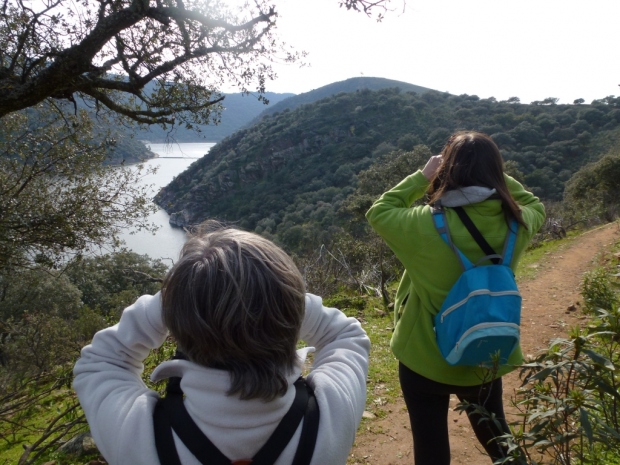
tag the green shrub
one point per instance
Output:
(598, 291)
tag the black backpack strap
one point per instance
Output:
(187, 430)
(170, 413)
(477, 235)
(282, 435)
(309, 430)
(164, 440)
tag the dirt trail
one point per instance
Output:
(547, 313)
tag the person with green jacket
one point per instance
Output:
(468, 173)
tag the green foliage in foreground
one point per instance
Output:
(110, 283)
(46, 317)
(569, 403)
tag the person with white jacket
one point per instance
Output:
(236, 305)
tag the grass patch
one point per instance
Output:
(383, 386)
(26, 426)
(529, 264)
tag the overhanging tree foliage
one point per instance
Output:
(132, 61)
(107, 51)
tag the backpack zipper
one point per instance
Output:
(474, 294)
(482, 326)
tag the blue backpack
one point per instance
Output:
(481, 315)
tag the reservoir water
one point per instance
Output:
(173, 159)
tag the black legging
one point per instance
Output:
(428, 401)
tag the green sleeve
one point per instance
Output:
(387, 210)
(532, 209)
(393, 219)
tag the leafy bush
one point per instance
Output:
(46, 318)
(598, 291)
(595, 188)
(569, 402)
(111, 282)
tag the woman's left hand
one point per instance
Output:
(432, 165)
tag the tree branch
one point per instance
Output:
(148, 116)
(51, 430)
(190, 15)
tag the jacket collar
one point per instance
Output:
(207, 399)
(465, 196)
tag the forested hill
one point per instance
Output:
(346, 86)
(241, 110)
(120, 146)
(294, 170)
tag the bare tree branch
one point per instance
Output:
(59, 74)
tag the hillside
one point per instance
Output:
(242, 111)
(126, 149)
(121, 146)
(288, 176)
(348, 85)
(239, 110)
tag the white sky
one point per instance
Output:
(532, 49)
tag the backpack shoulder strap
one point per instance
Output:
(170, 413)
(309, 430)
(179, 420)
(509, 244)
(478, 237)
(164, 440)
(441, 224)
(283, 433)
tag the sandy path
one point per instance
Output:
(546, 315)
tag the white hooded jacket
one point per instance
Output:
(119, 406)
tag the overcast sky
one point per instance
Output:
(532, 49)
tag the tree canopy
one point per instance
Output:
(596, 187)
(107, 51)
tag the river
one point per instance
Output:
(173, 159)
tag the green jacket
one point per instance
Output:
(431, 268)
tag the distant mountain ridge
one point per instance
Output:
(348, 85)
(239, 110)
(242, 111)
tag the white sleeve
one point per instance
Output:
(339, 371)
(115, 400)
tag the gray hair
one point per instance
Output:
(235, 301)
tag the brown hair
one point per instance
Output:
(471, 158)
(235, 301)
